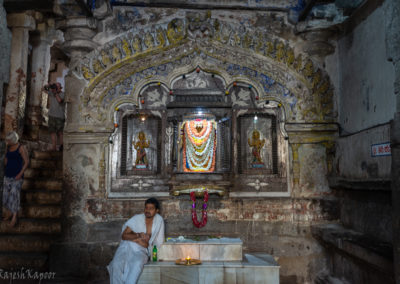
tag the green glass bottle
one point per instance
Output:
(155, 253)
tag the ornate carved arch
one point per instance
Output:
(115, 73)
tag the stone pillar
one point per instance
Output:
(41, 43)
(5, 44)
(78, 34)
(5, 40)
(20, 24)
(311, 142)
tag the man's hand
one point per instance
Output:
(143, 240)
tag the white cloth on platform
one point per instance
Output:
(130, 257)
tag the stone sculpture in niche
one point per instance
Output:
(257, 144)
(140, 146)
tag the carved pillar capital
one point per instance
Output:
(78, 35)
(21, 20)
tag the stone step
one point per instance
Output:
(32, 226)
(40, 211)
(19, 260)
(48, 184)
(41, 197)
(45, 164)
(43, 173)
(48, 155)
(29, 243)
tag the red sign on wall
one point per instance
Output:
(382, 149)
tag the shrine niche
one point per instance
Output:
(181, 74)
(140, 144)
(200, 133)
(259, 152)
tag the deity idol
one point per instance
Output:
(257, 144)
(199, 145)
(140, 146)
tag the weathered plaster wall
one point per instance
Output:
(392, 22)
(366, 84)
(364, 80)
(364, 93)
(354, 159)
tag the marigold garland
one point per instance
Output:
(199, 147)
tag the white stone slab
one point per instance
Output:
(209, 275)
(150, 275)
(223, 249)
(171, 252)
(180, 274)
(220, 252)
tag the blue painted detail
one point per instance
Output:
(301, 4)
(270, 86)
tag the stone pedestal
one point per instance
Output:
(224, 249)
(16, 93)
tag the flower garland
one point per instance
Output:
(195, 137)
(204, 211)
(199, 147)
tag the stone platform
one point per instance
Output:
(209, 249)
(254, 268)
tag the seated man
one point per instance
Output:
(139, 234)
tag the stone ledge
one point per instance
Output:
(356, 245)
(357, 184)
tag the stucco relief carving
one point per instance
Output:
(162, 49)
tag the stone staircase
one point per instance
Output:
(28, 243)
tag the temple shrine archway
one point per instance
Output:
(142, 94)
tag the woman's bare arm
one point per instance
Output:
(25, 158)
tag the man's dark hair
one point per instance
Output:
(154, 201)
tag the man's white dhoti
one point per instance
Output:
(129, 259)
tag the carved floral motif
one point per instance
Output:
(219, 32)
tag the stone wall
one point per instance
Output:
(258, 48)
(364, 88)
(392, 21)
(280, 227)
(5, 41)
(366, 105)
